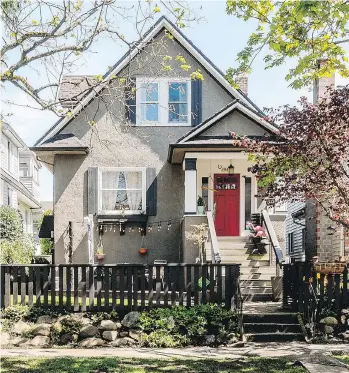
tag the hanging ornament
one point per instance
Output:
(169, 224)
(159, 225)
(150, 228)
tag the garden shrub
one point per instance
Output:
(11, 226)
(193, 323)
(35, 312)
(12, 314)
(97, 317)
(20, 250)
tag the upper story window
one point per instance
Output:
(163, 102)
(36, 174)
(122, 190)
(23, 170)
(9, 156)
(290, 243)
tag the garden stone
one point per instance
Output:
(343, 319)
(110, 335)
(88, 331)
(328, 329)
(238, 344)
(20, 327)
(68, 338)
(123, 342)
(40, 341)
(135, 334)
(344, 336)
(331, 321)
(5, 338)
(46, 319)
(92, 342)
(19, 341)
(41, 329)
(345, 312)
(123, 334)
(130, 320)
(209, 339)
(108, 325)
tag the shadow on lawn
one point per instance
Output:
(117, 365)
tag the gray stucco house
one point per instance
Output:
(128, 170)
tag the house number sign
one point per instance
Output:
(223, 169)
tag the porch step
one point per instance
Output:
(257, 328)
(271, 324)
(253, 283)
(255, 290)
(257, 297)
(274, 337)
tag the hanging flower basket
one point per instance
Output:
(330, 268)
(100, 256)
(142, 250)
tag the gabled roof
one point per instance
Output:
(236, 105)
(162, 23)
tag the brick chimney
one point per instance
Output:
(321, 85)
(242, 81)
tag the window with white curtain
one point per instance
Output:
(163, 101)
(122, 190)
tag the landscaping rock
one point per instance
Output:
(345, 312)
(46, 319)
(238, 344)
(68, 338)
(344, 336)
(19, 341)
(110, 335)
(331, 321)
(40, 341)
(92, 342)
(123, 342)
(135, 334)
(130, 320)
(108, 325)
(123, 334)
(210, 339)
(5, 338)
(41, 329)
(88, 331)
(328, 329)
(20, 327)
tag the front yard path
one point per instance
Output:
(293, 350)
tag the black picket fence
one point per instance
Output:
(304, 288)
(80, 287)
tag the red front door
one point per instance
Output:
(227, 200)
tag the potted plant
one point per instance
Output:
(201, 205)
(100, 253)
(257, 237)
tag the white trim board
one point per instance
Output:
(163, 23)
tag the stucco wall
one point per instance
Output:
(114, 143)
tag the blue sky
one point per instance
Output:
(219, 36)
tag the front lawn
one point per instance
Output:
(126, 365)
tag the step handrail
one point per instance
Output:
(216, 257)
(273, 240)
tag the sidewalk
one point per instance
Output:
(295, 350)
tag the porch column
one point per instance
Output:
(190, 186)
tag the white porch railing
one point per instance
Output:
(212, 238)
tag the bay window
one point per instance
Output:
(122, 190)
(163, 101)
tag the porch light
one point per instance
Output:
(230, 169)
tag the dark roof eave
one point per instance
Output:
(80, 150)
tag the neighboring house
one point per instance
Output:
(133, 178)
(19, 184)
(308, 231)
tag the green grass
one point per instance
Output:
(124, 365)
(343, 358)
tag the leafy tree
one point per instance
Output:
(303, 30)
(309, 157)
(51, 38)
(15, 246)
(45, 243)
(11, 225)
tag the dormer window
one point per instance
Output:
(163, 102)
(23, 170)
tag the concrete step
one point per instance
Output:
(238, 258)
(274, 337)
(255, 264)
(256, 290)
(257, 297)
(254, 283)
(256, 328)
(275, 317)
(255, 277)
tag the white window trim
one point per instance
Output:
(163, 102)
(144, 191)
